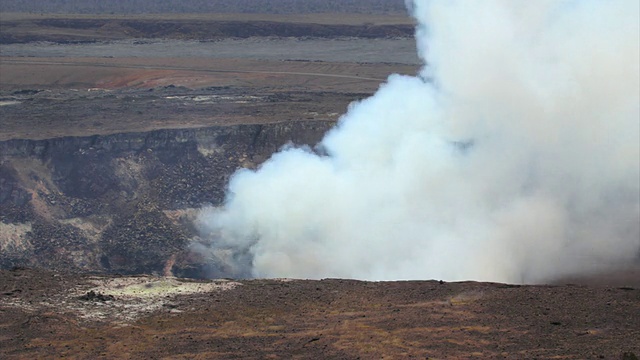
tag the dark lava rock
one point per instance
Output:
(96, 296)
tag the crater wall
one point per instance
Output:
(123, 203)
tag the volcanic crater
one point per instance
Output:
(105, 161)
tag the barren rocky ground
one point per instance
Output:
(115, 131)
(51, 315)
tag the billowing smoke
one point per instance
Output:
(513, 156)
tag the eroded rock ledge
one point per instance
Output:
(124, 202)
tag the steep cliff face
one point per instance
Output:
(122, 203)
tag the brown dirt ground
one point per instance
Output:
(41, 316)
(71, 106)
(110, 73)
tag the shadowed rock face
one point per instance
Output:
(10, 191)
(124, 202)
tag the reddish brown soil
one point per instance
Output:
(113, 73)
(308, 91)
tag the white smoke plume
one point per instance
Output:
(512, 157)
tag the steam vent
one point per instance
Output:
(319, 179)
